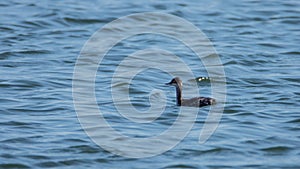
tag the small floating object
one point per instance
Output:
(199, 79)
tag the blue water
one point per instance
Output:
(257, 41)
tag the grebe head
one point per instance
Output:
(175, 82)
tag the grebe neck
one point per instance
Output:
(178, 95)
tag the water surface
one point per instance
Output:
(257, 41)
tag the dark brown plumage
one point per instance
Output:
(193, 102)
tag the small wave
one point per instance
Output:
(87, 21)
(14, 165)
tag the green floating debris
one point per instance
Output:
(202, 79)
